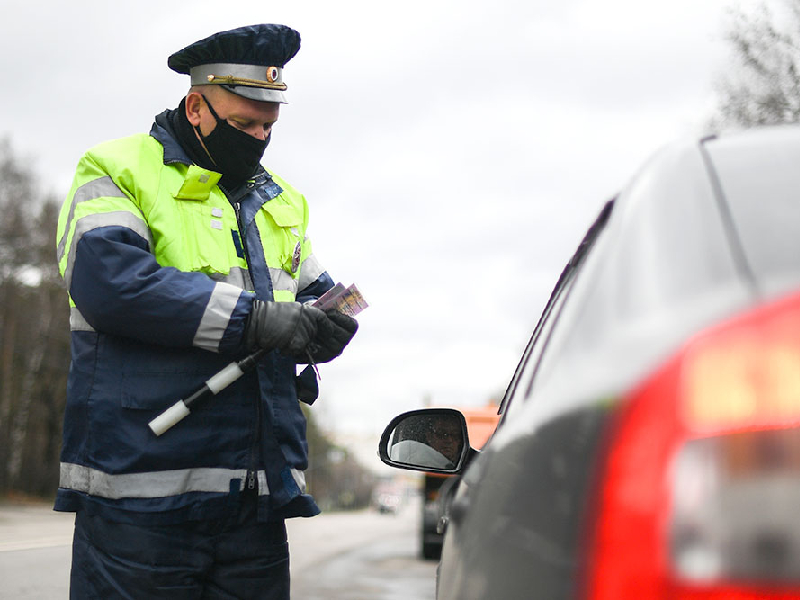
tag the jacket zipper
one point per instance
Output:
(251, 471)
(234, 200)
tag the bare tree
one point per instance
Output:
(34, 333)
(762, 85)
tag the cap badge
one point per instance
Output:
(272, 74)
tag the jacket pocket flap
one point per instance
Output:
(284, 214)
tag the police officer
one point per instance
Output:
(181, 253)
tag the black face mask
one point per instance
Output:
(235, 153)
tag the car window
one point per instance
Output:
(528, 365)
(532, 356)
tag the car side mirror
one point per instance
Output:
(430, 439)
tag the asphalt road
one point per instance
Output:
(359, 556)
(339, 556)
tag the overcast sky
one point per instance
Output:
(453, 152)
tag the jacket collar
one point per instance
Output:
(163, 131)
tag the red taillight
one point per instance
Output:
(699, 491)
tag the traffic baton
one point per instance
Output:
(175, 413)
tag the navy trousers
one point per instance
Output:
(231, 559)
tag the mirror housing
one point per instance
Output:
(433, 440)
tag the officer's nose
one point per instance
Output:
(260, 133)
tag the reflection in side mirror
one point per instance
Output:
(431, 440)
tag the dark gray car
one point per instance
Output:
(649, 444)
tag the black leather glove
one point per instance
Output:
(285, 326)
(333, 334)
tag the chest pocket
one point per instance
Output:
(285, 229)
(206, 242)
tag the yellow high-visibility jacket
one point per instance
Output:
(162, 266)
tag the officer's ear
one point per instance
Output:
(194, 102)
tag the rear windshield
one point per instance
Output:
(759, 175)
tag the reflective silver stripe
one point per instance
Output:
(238, 276)
(156, 484)
(102, 187)
(310, 271)
(248, 282)
(216, 316)
(77, 322)
(300, 479)
(263, 487)
(283, 281)
(122, 218)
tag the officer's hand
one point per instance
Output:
(285, 326)
(333, 334)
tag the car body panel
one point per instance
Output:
(524, 501)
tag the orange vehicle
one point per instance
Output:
(481, 423)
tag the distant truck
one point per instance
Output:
(481, 423)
